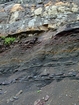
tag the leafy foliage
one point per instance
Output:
(9, 40)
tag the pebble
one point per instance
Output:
(14, 97)
(46, 98)
(20, 92)
(39, 102)
(70, 96)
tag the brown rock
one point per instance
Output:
(2, 10)
(17, 7)
(52, 26)
(48, 4)
(32, 9)
(60, 3)
(39, 102)
(43, 28)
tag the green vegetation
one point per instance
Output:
(9, 40)
(3, 37)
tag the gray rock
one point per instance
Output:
(77, 76)
(72, 74)
(16, 16)
(8, 7)
(38, 11)
(52, 10)
(31, 23)
(60, 74)
(4, 1)
(75, 8)
(39, 1)
(52, 75)
(3, 17)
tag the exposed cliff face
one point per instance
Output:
(17, 18)
(38, 66)
(41, 67)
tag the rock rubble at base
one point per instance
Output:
(16, 18)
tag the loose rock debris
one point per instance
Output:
(41, 101)
(13, 98)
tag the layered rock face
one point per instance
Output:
(39, 64)
(16, 18)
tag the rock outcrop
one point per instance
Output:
(16, 18)
(35, 67)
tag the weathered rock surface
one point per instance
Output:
(41, 65)
(16, 18)
(39, 68)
